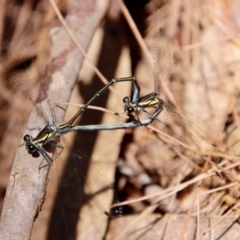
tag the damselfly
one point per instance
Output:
(50, 139)
(49, 136)
(198, 138)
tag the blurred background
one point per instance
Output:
(199, 56)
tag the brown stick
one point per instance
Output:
(26, 188)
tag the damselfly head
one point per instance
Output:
(115, 212)
(29, 146)
(127, 105)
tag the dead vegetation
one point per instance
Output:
(171, 188)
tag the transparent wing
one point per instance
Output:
(85, 175)
(78, 184)
(161, 45)
(98, 185)
(22, 73)
(197, 132)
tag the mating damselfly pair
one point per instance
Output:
(133, 105)
(48, 136)
(47, 140)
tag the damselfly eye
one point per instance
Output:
(115, 212)
(31, 148)
(130, 109)
(26, 137)
(126, 99)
